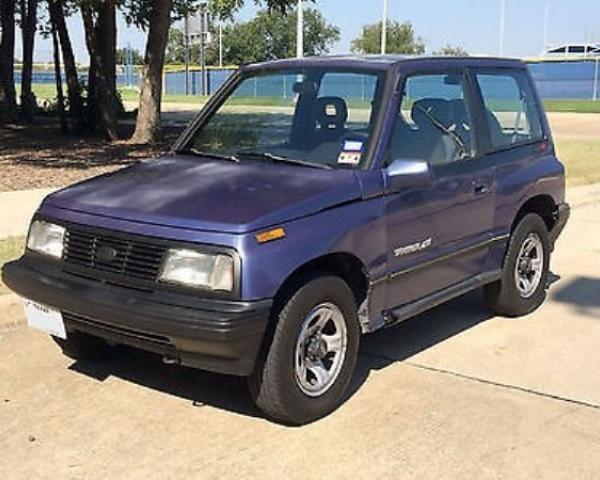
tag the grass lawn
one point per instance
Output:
(47, 91)
(10, 249)
(581, 159)
(575, 106)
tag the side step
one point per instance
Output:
(409, 310)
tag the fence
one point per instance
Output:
(554, 80)
(47, 77)
(562, 80)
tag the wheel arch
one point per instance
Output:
(543, 205)
(345, 265)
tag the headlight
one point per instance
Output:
(46, 238)
(196, 269)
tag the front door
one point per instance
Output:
(437, 235)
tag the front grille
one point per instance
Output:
(103, 252)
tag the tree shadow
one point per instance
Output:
(40, 155)
(44, 145)
(583, 294)
(377, 351)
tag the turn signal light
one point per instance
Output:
(270, 235)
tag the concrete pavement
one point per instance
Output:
(455, 393)
(16, 210)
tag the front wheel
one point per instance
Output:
(306, 371)
(522, 287)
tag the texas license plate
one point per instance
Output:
(44, 318)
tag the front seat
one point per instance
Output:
(331, 114)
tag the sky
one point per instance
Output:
(471, 24)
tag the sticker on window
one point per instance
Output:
(351, 152)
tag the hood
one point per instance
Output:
(209, 195)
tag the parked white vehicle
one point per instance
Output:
(574, 50)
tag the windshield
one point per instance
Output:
(312, 117)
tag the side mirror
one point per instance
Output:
(406, 173)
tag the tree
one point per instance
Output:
(8, 96)
(225, 9)
(136, 57)
(156, 16)
(57, 16)
(450, 51)
(400, 39)
(272, 35)
(99, 20)
(57, 70)
(175, 48)
(28, 28)
(148, 120)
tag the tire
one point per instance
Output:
(508, 296)
(80, 346)
(283, 385)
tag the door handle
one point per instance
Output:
(481, 188)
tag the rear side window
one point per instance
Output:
(511, 110)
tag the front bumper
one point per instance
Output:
(561, 215)
(221, 336)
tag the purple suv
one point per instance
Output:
(310, 202)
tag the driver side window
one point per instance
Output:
(434, 123)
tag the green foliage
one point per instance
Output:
(450, 51)
(225, 9)
(400, 39)
(139, 12)
(137, 57)
(175, 53)
(269, 36)
(272, 35)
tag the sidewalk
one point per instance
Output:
(16, 210)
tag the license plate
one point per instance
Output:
(44, 318)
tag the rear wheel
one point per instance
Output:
(80, 346)
(522, 287)
(306, 370)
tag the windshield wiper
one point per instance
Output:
(200, 153)
(277, 158)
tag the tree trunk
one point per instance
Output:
(90, 41)
(104, 99)
(28, 29)
(147, 126)
(92, 96)
(73, 87)
(57, 72)
(8, 96)
(106, 34)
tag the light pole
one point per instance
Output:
(186, 52)
(220, 45)
(502, 25)
(595, 94)
(300, 31)
(546, 21)
(384, 27)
